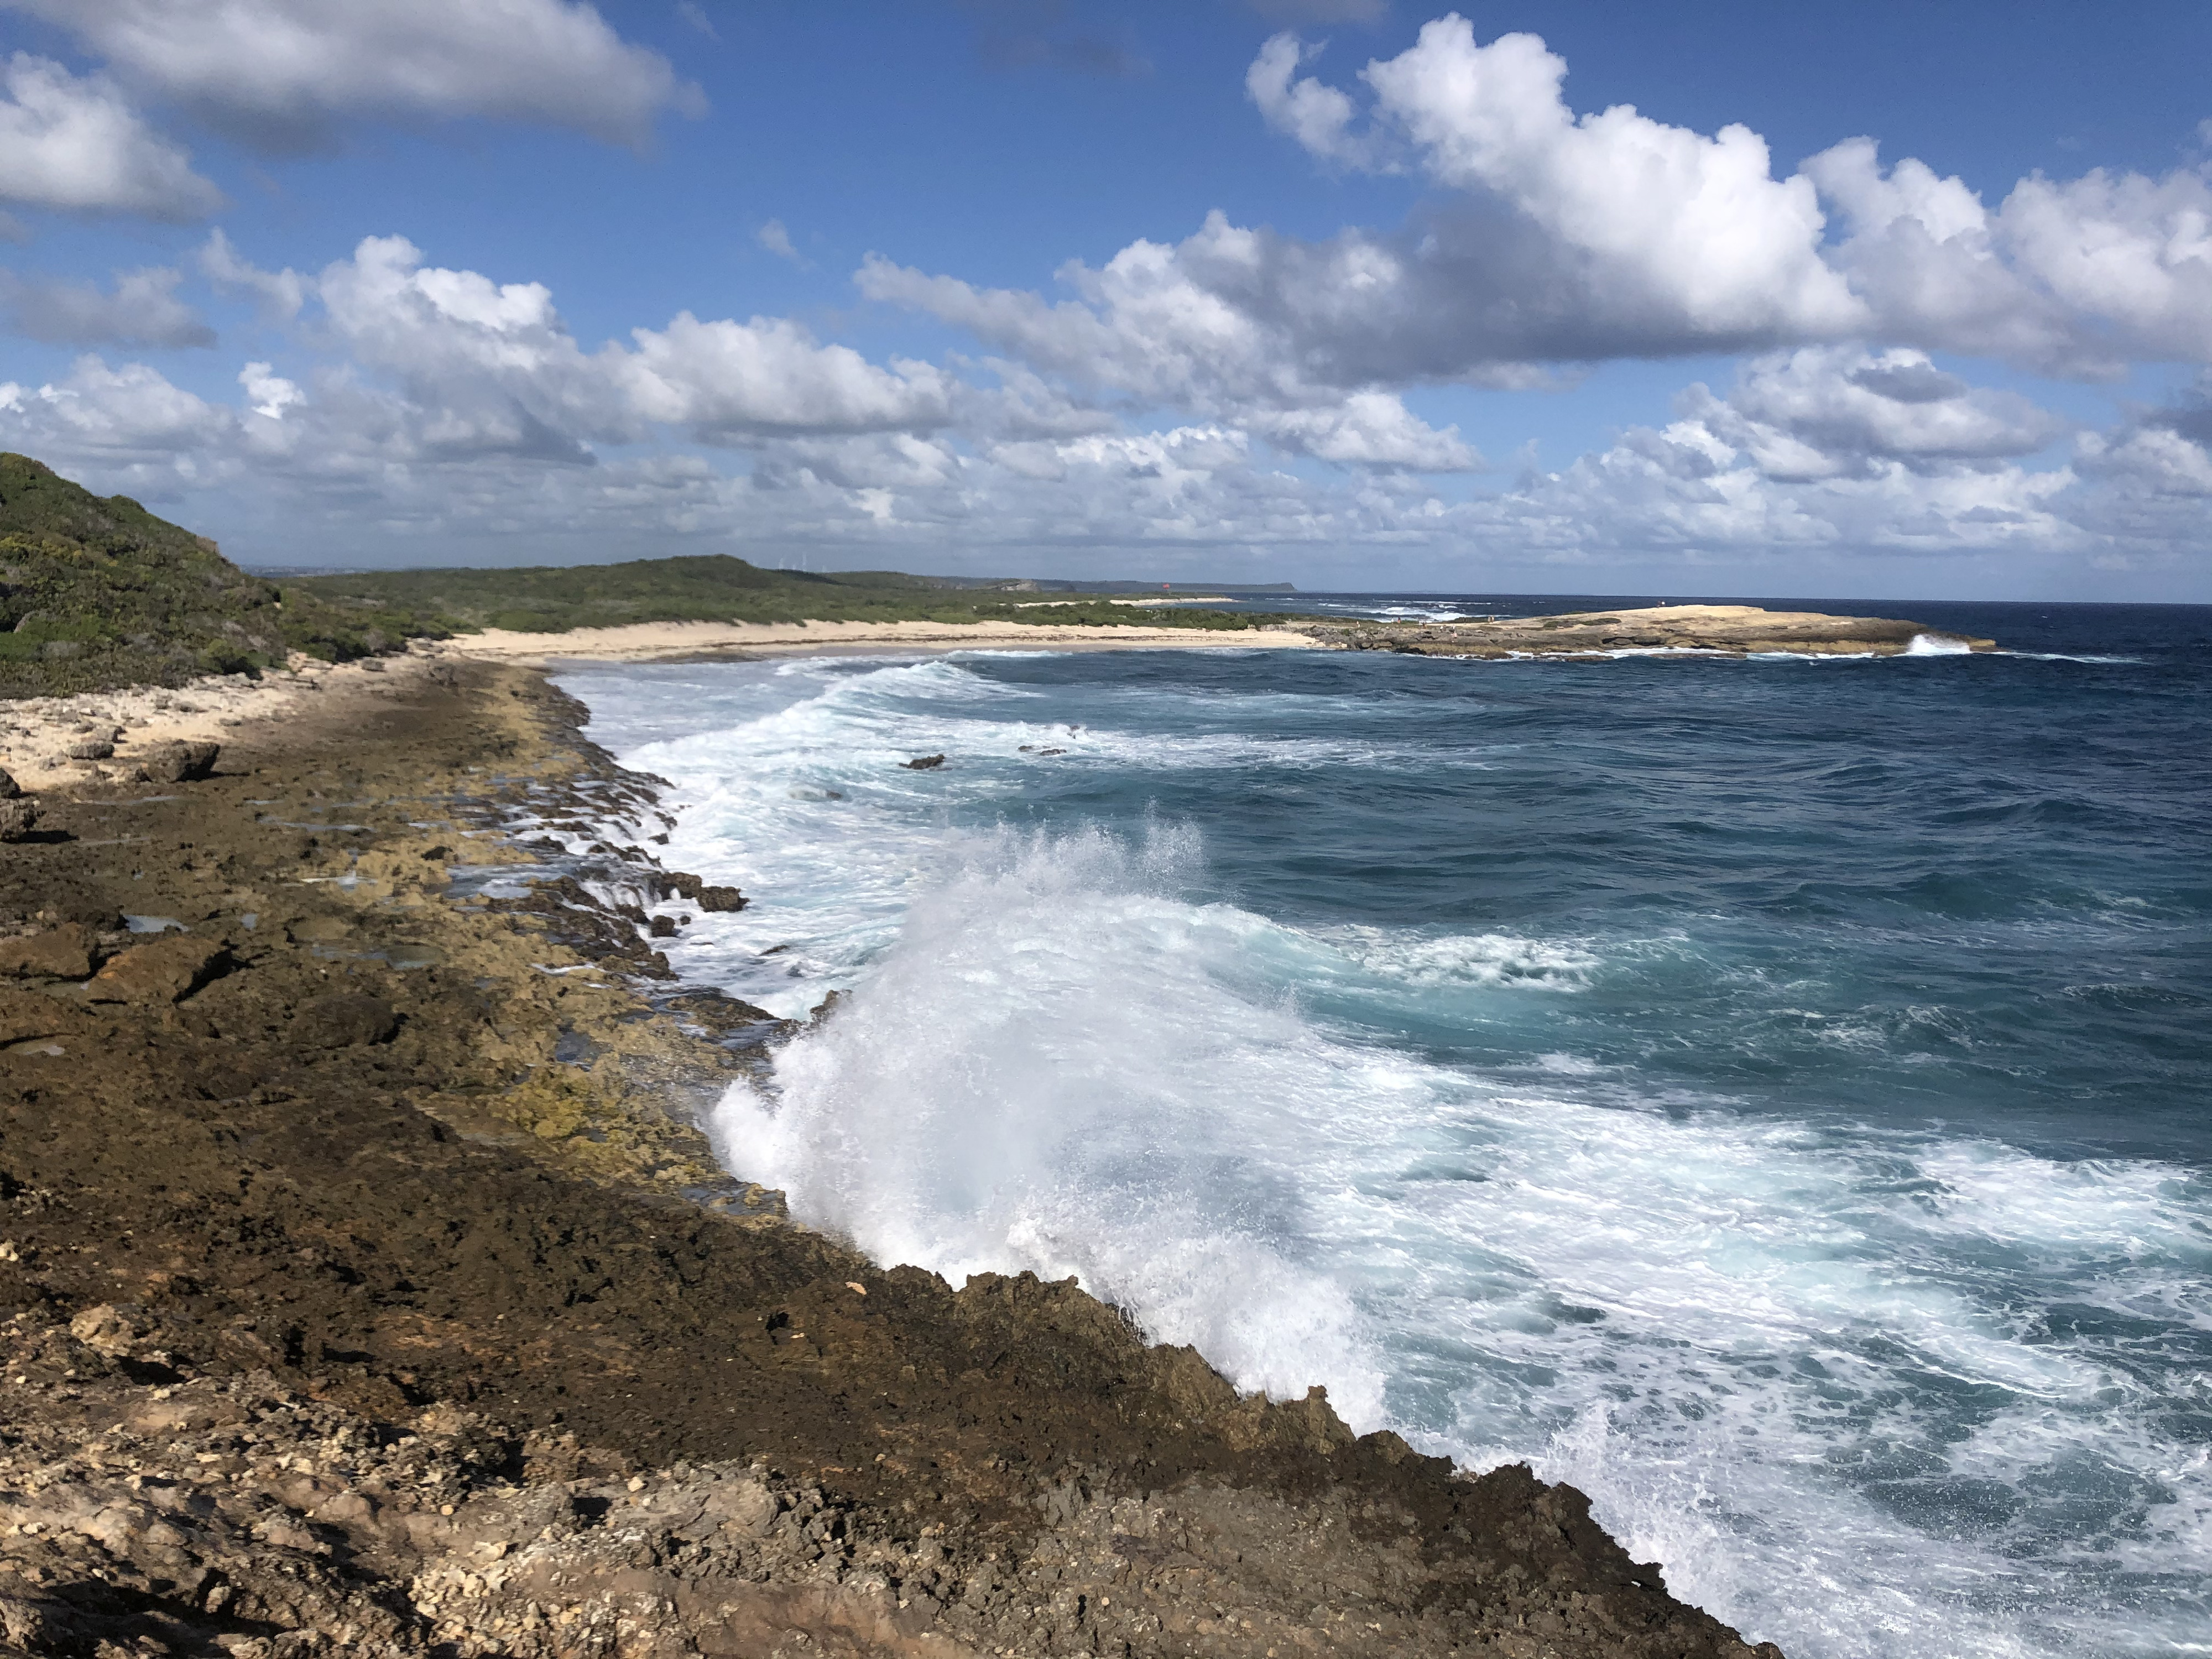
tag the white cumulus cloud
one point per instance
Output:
(2075, 278)
(74, 143)
(268, 394)
(280, 74)
(723, 379)
(1559, 238)
(119, 416)
(460, 411)
(278, 294)
(1828, 411)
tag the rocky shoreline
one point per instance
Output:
(369, 1285)
(1690, 631)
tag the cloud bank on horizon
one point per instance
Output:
(1243, 399)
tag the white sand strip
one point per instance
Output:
(646, 641)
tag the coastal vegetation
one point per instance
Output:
(722, 588)
(97, 593)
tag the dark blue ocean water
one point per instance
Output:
(1771, 1094)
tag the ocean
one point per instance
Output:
(1771, 1094)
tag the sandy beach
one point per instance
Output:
(46, 741)
(660, 642)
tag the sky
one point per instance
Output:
(1714, 297)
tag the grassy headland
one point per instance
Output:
(97, 593)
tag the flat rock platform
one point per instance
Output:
(1724, 630)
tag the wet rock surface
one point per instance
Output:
(446, 1333)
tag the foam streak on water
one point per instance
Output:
(1808, 1177)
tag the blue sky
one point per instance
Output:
(1351, 293)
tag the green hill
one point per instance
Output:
(99, 592)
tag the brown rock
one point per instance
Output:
(9, 789)
(344, 1019)
(18, 818)
(27, 1016)
(721, 899)
(165, 970)
(108, 1329)
(927, 763)
(63, 952)
(91, 749)
(178, 763)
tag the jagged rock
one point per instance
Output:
(165, 970)
(63, 952)
(91, 749)
(681, 882)
(927, 763)
(720, 1013)
(344, 1019)
(178, 763)
(9, 789)
(18, 818)
(108, 1329)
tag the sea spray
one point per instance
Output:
(1048, 1074)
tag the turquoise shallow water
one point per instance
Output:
(1773, 1095)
